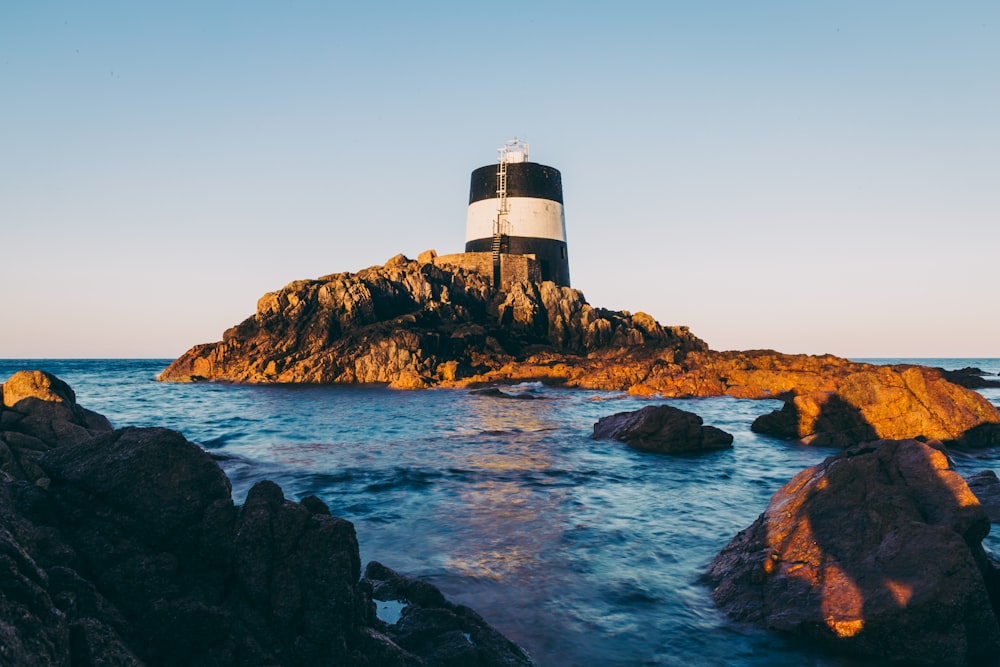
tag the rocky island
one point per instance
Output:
(425, 323)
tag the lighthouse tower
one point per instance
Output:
(516, 208)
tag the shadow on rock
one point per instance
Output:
(877, 552)
(823, 419)
(886, 402)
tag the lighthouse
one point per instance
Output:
(516, 208)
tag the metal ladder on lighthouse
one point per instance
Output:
(501, 224)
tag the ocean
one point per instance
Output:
(584, 552)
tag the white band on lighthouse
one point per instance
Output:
(529, 217)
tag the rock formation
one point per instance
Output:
(413, 324)
(879, 402)
(875, 551)
(124, 547)
(662, 428)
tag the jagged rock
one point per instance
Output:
(442, 324)
(132, 552)
(875, 551)
(662, 428)
(414, 324)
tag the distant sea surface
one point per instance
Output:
(584, 552)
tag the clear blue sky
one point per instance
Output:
(805, 176)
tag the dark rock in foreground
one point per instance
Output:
(664, 429)
(124, 547)
(876, 551)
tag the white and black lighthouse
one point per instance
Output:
(516, 208)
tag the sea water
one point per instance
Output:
(584, 552)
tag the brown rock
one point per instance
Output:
(880, 402)
(662, 428)
(875, 551)
(415, 319)
(408, 380)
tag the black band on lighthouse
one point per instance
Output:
(524, 179)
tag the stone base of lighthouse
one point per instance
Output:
(513, 268)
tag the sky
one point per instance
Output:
(810, 177)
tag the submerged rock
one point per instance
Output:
(970, 377)
(496, 392)
(126, 548)
(875, 551)
(439, 632)
(662, 428)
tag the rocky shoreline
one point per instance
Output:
(124, 547)
(909, 581)
(413, 324)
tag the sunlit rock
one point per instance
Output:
(412, 324)
(414, 319)
(875, 551)
(880, 402)
(38, 412)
